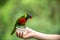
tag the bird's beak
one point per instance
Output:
(30, 17)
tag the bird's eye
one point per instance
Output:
(30, 17)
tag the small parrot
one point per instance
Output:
(21, 21)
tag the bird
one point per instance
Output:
(21, 21)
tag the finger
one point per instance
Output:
(17, 34)
(25, 33)
(21, 35)
(27, 36)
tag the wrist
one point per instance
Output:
(38, 35)
(35, 33)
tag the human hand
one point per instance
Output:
(25, 32)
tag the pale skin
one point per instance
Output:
(29, 33)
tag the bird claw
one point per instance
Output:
(24, 26)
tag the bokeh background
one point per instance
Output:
(45, 13)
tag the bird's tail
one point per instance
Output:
(13, 30)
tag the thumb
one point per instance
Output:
(27, 35)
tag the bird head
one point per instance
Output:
(28, 16)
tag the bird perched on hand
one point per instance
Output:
(21, 21)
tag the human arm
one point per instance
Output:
(34, 34)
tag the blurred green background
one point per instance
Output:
(46, 16)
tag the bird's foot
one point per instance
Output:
(25, 26)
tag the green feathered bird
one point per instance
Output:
(21, 21)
